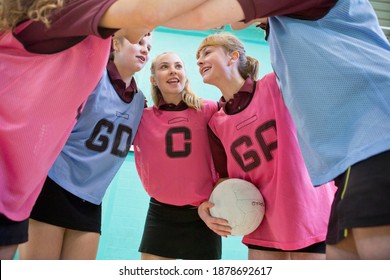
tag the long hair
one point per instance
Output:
(188, 95)
(247, 65)
(14, 11)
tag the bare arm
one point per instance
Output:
(242, 25)
(138, 17)
(210, 14)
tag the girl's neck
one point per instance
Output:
(172, 99)
(230, 87)
(126, 75)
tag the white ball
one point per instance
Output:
(240, 203)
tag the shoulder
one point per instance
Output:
(150, 109)
(140, 94)
(309, 9)
(269, 77)
(76, 20)
(152, 112)
(210, 105)
(268, 80)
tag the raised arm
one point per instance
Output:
(210, 14)
(241, 25)
(138, 17)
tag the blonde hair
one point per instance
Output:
(247, 65)
(120, 37)
(188, 95)
(14, 11)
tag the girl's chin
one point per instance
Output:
(205, 77)
(207, 80)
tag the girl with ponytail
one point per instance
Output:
(253, 138)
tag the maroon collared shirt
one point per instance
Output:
(240, 100)
(172, 107)
(125, 93)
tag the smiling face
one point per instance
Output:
(214, 64)
(168, 74)
(130, 58)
